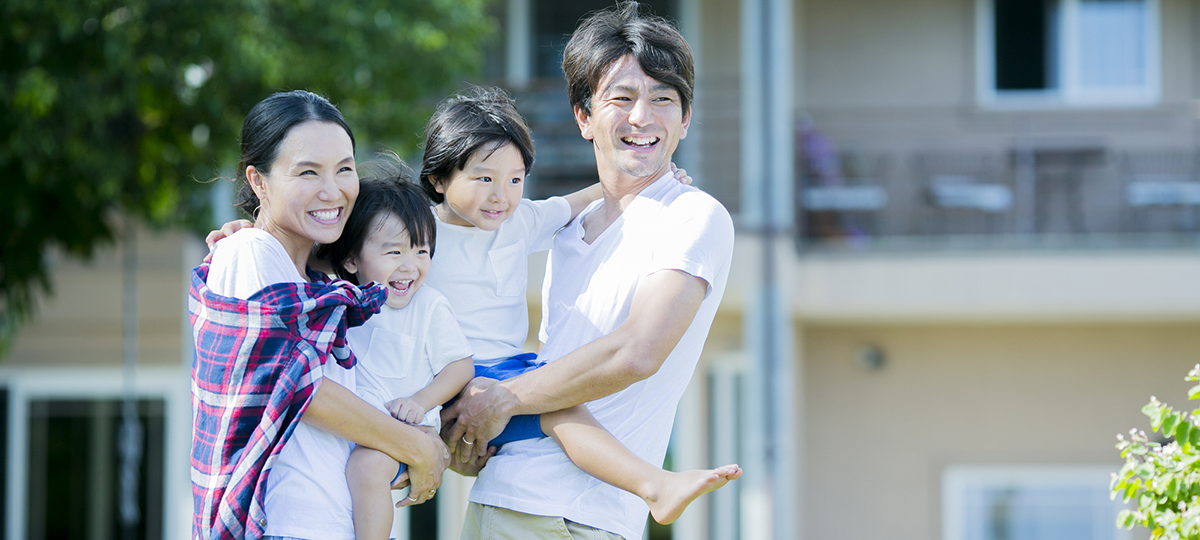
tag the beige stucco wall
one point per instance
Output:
(716, 146)
(80, 323)
(877, 442)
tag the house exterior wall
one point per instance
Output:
(878, 442)
(716, 116)
(900, 76)
(80, 323)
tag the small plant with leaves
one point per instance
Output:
(1164, 479)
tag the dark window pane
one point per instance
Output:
(74, 464)
(423, 520)
(1024, 44)
(555, 20)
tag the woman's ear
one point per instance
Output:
(257, 182)
(351, 265)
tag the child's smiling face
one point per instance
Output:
(486, 191)
(389, 257)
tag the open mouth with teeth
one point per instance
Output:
(326, 216)
(401, 287)
(640, 142)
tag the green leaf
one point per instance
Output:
(1125, 519)
(1130, 491)
(1170, 421)
(1182, 431)
(1194, 392)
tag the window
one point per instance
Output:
(1068, 52)
(73, 490)
(1029, 503)
(554, 21)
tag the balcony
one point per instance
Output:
(1044, 195)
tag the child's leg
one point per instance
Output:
(369, 473)
(593, 449)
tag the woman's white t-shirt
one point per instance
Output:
(307, 495)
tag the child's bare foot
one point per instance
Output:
(678, 489)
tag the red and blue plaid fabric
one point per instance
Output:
(253, 376)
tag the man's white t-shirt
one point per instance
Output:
(587, 294)
(484, 273)
(400, 350)
(306, 495)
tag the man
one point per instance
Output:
(633, 287)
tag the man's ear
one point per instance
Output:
(585, 122)
(687, 119)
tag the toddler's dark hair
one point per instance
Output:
(388, 192)
(481, 116)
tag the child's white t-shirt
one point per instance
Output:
(400, 350)
(306, 495)
(484, 274)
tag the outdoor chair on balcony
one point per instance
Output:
(844, 204)
(965, 193)
(1161, 190)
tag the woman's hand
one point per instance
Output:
(425, 471)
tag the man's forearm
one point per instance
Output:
(634, 351)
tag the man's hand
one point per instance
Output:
(480, 414)
(406, 410)
(425, 473)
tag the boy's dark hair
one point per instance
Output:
(606, 36)
(482, 117)
(267, 125)
(389, 192)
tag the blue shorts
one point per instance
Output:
(525, 426)
(521, 427)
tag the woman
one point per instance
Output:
(273, 378)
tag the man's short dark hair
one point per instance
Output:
(606, 36)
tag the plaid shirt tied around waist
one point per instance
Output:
(253, 376)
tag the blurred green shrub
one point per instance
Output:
(1164, 479)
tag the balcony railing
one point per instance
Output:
(1047, 195)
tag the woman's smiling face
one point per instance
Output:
(310, 189)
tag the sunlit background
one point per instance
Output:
(967, 250)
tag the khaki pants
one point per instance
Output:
(493, 523)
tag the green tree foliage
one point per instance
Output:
(1163, 479)
(127, 106)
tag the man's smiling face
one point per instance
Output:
(635, 124)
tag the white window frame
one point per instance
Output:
(1070, 93)
(167, 384)
(957, 479)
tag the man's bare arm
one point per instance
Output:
(662, 309)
